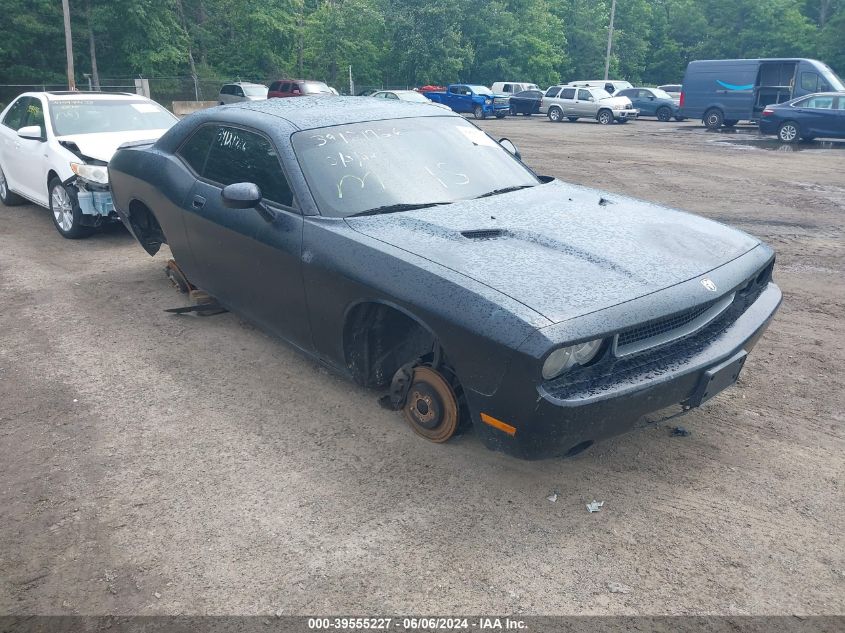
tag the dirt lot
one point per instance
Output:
(155, 464)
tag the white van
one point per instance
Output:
(511, 87)
(610, 85)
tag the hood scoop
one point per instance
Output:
(483, 234)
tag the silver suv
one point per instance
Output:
(241, 91)
(589, 103)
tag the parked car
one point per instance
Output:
(652, 102)
(727, 91)
(512, 87)
(410, 251)
(298, 88)
(673, 90)
(610, 86)
(573, 103)
(478, 100)
(54, 147)
(526, 102)
(805, 118)
(241, 91)
(408, 95)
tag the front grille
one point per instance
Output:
(501, 100)
(661, 326)
(670, 328)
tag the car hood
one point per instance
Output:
(560, 249)
(103, 145)
(622, 102)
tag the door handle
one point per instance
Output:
(198, 202)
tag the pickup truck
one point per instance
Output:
(479, 100)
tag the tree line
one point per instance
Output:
(409, 42)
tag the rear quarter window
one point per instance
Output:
(195, 150)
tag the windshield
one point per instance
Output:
(660, 94)
(601, 93)
(481, 90)
(413, 96)
(424, 160)
(315, 87)
(832, 78)
(255, 91)
(98, 116)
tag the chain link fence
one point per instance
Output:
(164, 90)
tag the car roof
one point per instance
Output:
(244, 83)
(74, 95)
(315, 112)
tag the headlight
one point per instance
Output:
(566, 357)
(94, 173)
(488, 101)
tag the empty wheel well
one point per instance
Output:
(146, 227)
(378, 339)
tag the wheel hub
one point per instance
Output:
(431, 407)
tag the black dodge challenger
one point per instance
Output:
(404, 247)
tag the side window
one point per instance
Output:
(16, 115)
(274, 87)
(390, 95)
(809, 82)
(195, 149)
(628, 93)
(507, 88)
(841, 104)
(820, 103)
(285, 87)
(584, 95)
(240, 156)
(552, 92)
(225, 90)
(454, 90)
(35, 115)
(567, 93)
(238, 91)
(645, 94)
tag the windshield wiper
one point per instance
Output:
(496, 192)
(395, 208)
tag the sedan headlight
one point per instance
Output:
(93, 173)
(567, 357)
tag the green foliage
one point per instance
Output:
(411, 42)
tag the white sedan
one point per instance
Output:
(55, 148)
(408, 95)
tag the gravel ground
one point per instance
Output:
(155, 464)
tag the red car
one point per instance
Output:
(298, 88)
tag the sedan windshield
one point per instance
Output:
(417, 161)
(97, 116)
(413, 96)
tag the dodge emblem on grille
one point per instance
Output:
(708, 283)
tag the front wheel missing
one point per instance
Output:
(431, 407)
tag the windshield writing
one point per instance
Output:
(363, 166)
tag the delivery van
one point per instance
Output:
(727, 91)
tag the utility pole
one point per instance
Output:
(609, 40)
(71, 81)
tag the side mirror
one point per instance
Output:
(241, 195)
(32, 132)
(510, 147)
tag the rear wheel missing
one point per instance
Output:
(431, 407)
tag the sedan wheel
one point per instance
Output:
(431, 407)
(66, 213)
(555, 114)
(664, 114)
(7, 197)
(788, 132)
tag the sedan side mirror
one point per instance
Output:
(32, 132)
(241, 195)
(510, 147)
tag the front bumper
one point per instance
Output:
(562, 415)
(95, 202)
(625, 115)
